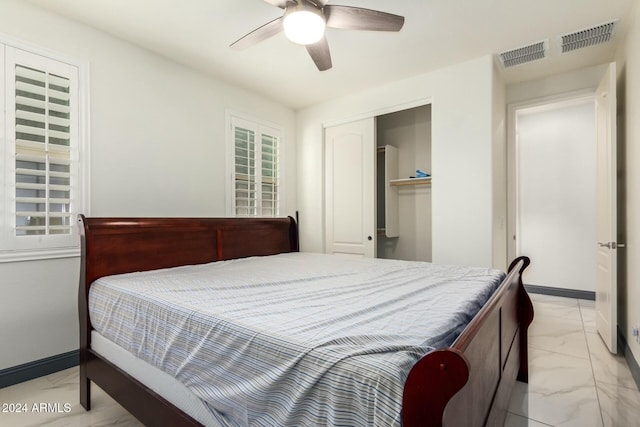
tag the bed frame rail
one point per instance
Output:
(469, 384)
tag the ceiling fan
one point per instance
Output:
(304, 22)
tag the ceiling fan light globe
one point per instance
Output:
(304, 26)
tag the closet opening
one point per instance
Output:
(403, 194)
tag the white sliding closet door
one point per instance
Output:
(350, 214)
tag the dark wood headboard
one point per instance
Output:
(123, 245)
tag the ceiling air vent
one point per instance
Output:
(589, 37)
(524, 54)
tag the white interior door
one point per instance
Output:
(350, 188)
(606, 276)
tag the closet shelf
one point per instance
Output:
(410, 181)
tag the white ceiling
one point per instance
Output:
(437, 33)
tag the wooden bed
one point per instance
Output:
(467, 384)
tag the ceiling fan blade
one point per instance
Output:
(320, 54)
(259, 34)
(356, 18)
(282, 4)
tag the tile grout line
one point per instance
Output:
(529, 418)
(593, 374)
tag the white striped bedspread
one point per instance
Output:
(296, 339)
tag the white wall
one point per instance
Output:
(38, 309)
(157, 149)
(462, 137)
(556, 162)
(629, 140)
(585, 79)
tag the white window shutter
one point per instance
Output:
(256, 169)
(270, 174)
(245, 171)
(42, 155)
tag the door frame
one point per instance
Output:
(512, 176)
(354, 118)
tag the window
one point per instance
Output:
(41, 168)
(255, 168)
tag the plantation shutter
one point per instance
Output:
(245, 172)
(40, 117)
(269, 174)
(42, 153)
(256, 171)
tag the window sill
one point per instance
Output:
(38, 254)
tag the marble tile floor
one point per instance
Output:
(60, 388)
(573, 381)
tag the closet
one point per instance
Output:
(406, 197)
(375, 205)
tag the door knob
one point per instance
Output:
(369, 238)
(611, 245)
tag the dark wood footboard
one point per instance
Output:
(469, 384)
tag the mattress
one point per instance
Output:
(160, 382)
(293, 339)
